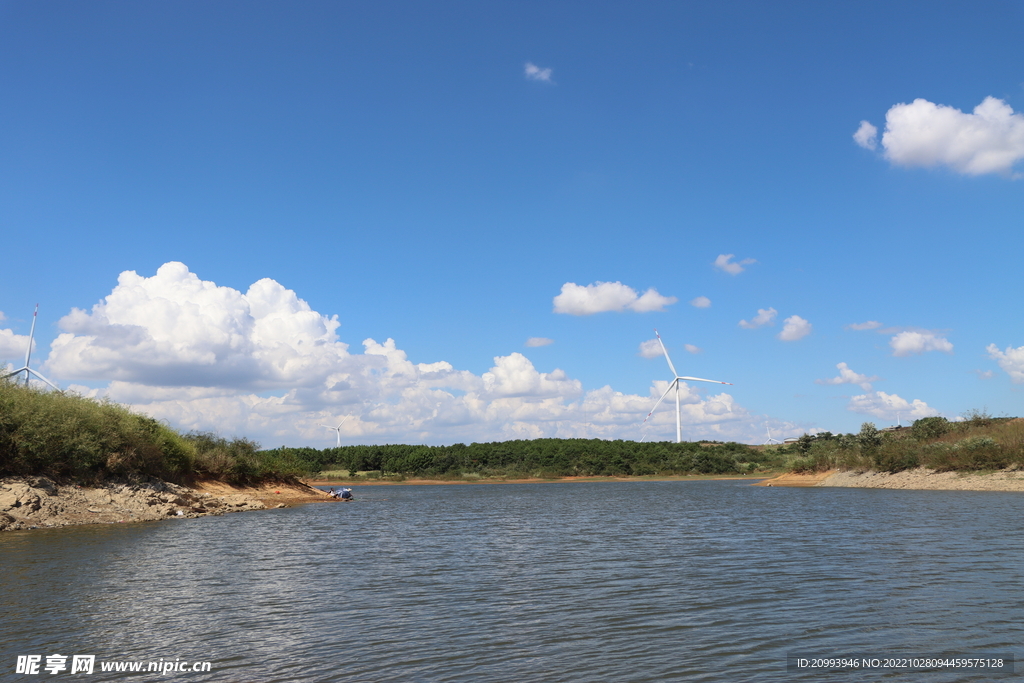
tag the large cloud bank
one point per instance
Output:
(922, 133)
(265, 365)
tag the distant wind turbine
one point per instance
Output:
(337, 429)
(675, 383)
(28, 355)
(770, 440)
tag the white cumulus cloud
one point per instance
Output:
(174, 329)
(869, 325)
(13, 346)
(988, 140)
(866, 136)
(514, 375)
(794, 327)
(889, 406)
(765, 316)
(536, 73)
(1011, 361)
(534, 342)
(725, 264)
(907, 343)
(602, 297)
(691, 348)
(262, 364)
(701, 302)
(848, 376)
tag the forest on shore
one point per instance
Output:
(72, 437)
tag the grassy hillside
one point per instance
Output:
(979, 442)
(71, 437)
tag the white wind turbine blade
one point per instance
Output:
(28, 358)
(665, 351)
(701, 379)
(28, 370)
(671, 384)
(31, 335)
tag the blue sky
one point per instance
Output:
(459, 177)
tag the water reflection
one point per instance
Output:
(638, 581)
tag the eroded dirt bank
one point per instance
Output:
(39, 502)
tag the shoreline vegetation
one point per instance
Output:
(93, 453)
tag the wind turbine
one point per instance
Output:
(770, 440)
(28, 355)
(337, 429)
(675, 383)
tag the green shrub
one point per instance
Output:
(895, 457)
(929, 428)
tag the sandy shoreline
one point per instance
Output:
(929, 480)
(920, 479)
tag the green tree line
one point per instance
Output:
(539, 457)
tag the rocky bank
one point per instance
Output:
(39, 502)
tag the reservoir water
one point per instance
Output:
(635, 581)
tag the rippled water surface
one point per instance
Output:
(637, 581)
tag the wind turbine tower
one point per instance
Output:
(770, 440)
(337, 429)
(675, 384)
(28, 356)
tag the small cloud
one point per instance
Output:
(793, 328)
(725, 263)
(866, 136)
(765, 316)
(848, 376)
(2, 316)
(692, 349)
(1011, 361)
(922, 133)
(699, 302)
(984, 374)
(602, 297)
(869, 325)
(907, 343)
(539, 341)
(889, 406)
(535, 73)
(650, 349)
